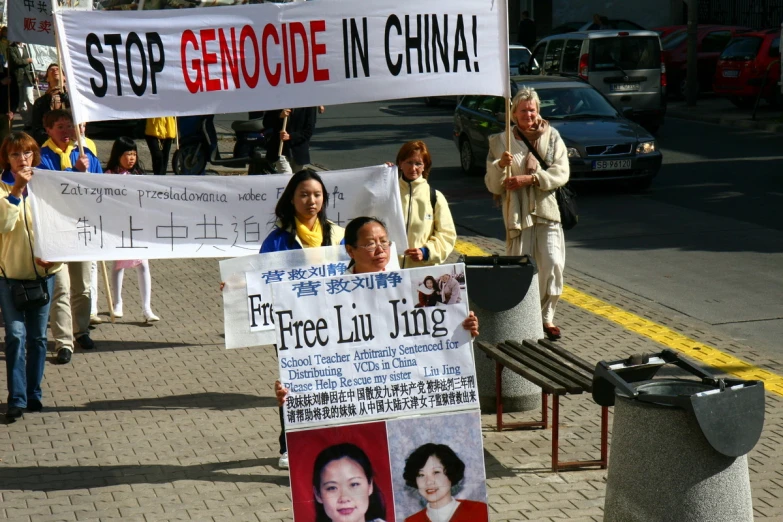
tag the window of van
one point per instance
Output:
(742, 49)
(625, 52)
(552, 58)
(774, 47)
(571, 54)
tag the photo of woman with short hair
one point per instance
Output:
(435, 471)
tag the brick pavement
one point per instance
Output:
(162, 423)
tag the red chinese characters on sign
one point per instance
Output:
(29, 24)
(37, 26)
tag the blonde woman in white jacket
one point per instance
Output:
(530, 209)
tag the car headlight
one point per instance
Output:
(645, 147)
(573, 152)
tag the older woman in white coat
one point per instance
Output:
(530, 210)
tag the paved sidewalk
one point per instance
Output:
(162, 423)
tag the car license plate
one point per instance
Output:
(612, 165)
(730, 73)
(624, 87)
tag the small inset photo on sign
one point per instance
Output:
(440, 285)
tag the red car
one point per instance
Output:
(712, 39)
(744, 64)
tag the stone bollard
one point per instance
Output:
(679, 446)
(503, 293)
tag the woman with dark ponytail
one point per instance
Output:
(301, 216)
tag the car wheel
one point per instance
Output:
(466, 159)
(431, 101)
(190, 160)
(743, 102)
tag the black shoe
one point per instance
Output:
(34, 405)
(85, 343)
(13, 413)
(63, 356)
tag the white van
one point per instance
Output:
(626, 66)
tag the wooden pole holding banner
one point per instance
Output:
(108, 291)
(280, 148)
(507, 174)
(282, 165)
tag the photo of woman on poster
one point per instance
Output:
(427, 292)
(435, 470)
(343, 486)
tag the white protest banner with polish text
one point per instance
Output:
(138, 64)
(101, 217)
(248, 315)
(362, 347)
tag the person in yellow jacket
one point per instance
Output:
(21, 274)
(159, 134)
(430, 228)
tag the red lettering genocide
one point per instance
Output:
(229, 59)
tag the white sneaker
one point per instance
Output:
(95, 319)
(118, 311)
(283, 462)
(149, 317)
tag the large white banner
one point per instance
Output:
(248, 315)
(31, 21)
(136, 64)
(89, 217)
(374, 346)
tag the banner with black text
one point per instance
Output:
(137, 64)
(94, 217)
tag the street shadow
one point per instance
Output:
(58, 478)
(494, 469)
(121, 346)
(208, 401)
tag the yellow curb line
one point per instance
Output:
(704, 353)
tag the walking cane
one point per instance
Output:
(108, 290)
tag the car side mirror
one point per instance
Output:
(627, 112)
(534, 68)
(522, 68)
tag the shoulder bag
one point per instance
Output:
(565, 195)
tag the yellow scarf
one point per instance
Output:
(65, 155)
(309, 238)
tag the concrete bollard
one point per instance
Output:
(506, 301)
(661, 466)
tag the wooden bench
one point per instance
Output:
(558, 372)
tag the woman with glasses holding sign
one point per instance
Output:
(428, 222)
(367, 242)
(26, 283)
(301, 223)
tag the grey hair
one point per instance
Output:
(525, 94)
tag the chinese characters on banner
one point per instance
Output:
(82, 217)
(138, 64)
(361, 347)
(248, 316)
(30, 21)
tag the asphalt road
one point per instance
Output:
(706, 240)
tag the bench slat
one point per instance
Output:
(539, 368)
(551, 361)
(586, 366)
(517, 367)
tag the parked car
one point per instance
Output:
(744, 64)
(711, 40)
(518, 55)
(581, 25)
(626, 66)
(666, 30)
(602, 144)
